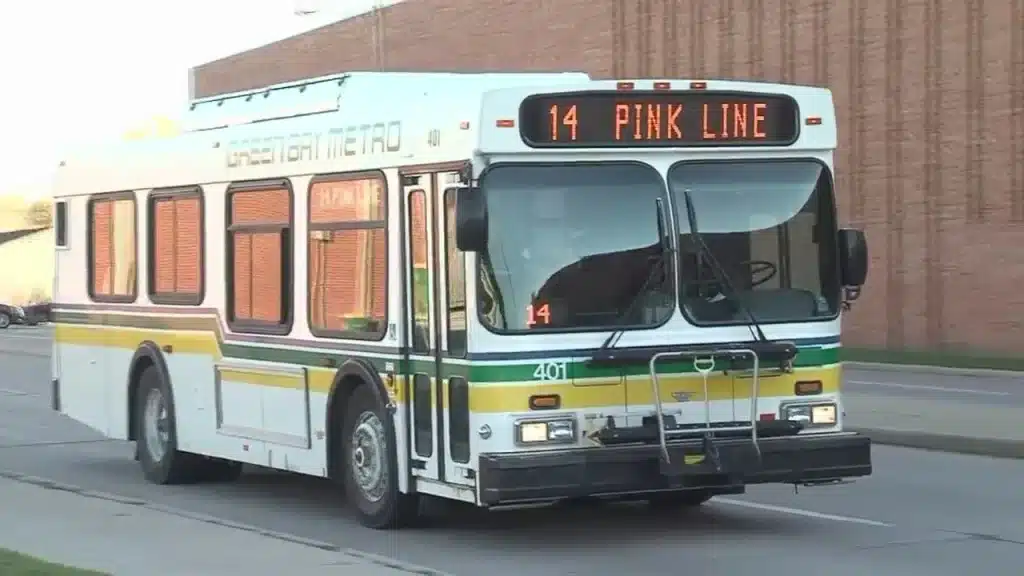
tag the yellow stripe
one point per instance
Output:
(261, 378)
(195, 342)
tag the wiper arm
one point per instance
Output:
(729, 289)
(658, 264)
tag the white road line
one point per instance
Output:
(927, 387)
(801, 512)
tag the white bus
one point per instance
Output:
(493, 288)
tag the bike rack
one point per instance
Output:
(704, 363)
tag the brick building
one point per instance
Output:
(930, 98)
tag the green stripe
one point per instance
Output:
(477, 373)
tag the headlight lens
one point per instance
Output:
(555, 431)
(19, 311)
(819, 415)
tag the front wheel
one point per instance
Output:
(371, 465)
(5, 320)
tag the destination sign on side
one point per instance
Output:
(658, 119)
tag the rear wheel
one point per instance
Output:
(157, 440)
(369, 456)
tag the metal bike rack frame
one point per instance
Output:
(704, 363)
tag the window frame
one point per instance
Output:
(349, 226)
(90, 248)
(173, 194)
(832, 215)
(61, 240)
(250, 326)
(478, 257)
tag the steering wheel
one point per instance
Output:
(767, 270)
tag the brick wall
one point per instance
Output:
(929, 93)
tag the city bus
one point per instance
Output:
(496, 288)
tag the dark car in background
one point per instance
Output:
(11, 315)
(29, 315)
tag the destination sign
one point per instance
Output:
(658, 119)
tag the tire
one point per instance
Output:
(157, 442)
(5, 320)
(679, 500)
(371, 470)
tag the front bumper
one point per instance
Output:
(625, 470)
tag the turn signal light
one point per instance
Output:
(807, 387)
(545, 402)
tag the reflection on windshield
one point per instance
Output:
(570, 246)
(772, 227)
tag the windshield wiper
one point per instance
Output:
(729, 290)
(657, 264)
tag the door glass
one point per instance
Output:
(455, 268)
(418, 271)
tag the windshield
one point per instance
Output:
(570, 246)
(771, 225)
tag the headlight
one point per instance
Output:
(19, 311)
(819, 415)
(554, 431)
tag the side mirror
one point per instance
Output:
(853, 257)
(470, 220)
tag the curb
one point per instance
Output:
(923, 369)
(992, 447)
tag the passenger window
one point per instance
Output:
(259, 257)
(176, 247)
(112, 248)
(61, 224)
(348, 257)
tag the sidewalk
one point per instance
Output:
(123, 537)
(937, 424)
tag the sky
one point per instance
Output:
(78, 72)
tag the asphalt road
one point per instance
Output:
(981, 387)
(921, 513)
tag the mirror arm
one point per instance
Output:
(850, 294)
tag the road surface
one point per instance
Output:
(984, 388)
(922, 513)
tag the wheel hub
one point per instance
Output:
(156, 425)
(368, 449)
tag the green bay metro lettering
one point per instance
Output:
(354, 140)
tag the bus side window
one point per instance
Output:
(348, 256)
(60, 224)
(176, 246)
(455, 263)
(113, 248)
(259, 251)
